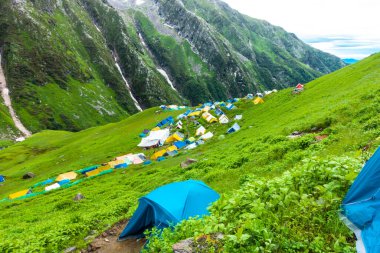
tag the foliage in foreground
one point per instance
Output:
(296, 212)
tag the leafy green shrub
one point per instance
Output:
(292, 213)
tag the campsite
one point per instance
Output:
(257, 170)
(189, 126)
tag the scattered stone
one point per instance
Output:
(89, 238)
(184, 246)
(219, 236)
(78, 197)
(321, 137)
(71, 249)
(187, 163)
(105, 239)
(295, 134)
(104, 234)
(92, 232)
(28, 175)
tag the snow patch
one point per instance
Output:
(8, 103)
(164, 74)
(127, 84)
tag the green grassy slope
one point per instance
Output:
(345, 104)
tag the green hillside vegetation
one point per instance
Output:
(279, 194)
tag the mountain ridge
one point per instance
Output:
(92, 66)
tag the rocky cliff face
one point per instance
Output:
(75, 64)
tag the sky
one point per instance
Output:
(345, 28)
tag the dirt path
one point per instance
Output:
(107, 242)
(7, 101)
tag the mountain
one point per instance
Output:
(267, 179)
(75, 64)
(350, 60)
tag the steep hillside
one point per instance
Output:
(315, 175)
(76, 64)
(242, 53)
(72, 64)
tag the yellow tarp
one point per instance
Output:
(258, 100)
(172, 148)
(18, 194)
(173, 138)
(158, 154)
(156, 129)
(112, 164)
(93, 173)
(69, 175)
(98, 170)
(197, 113)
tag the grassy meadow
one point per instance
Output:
(278, 194)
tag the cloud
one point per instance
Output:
(348, 24)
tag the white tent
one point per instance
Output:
(207, 136)
(191, 146)
(155, 138)
(223, 119)
(238, 117)
(200, 131)
(52, 187)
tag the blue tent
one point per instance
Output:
(234, 128)
(2, 178)
(361, 206)
(168, 205)
(168, 120)
(180, 144)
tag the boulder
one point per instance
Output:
(184, 246)
(187, 163)
(71, 249)
(78, 197)
(28, 175)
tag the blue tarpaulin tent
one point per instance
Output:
(361, 206)
(168, 205)
(2, 178)
(168, 120)
(180, 144)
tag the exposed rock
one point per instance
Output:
(89, 238)
(28, 175)
(78, 197)
(321, 137)
(71, 249)
(185, 246)
(187, 163)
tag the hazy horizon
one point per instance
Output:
(347, 29)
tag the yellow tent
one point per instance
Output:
(206, 109)
(197, 113)
(93, 173)
(172, 148)
(69, 175)
(258, 100)
(98, 170)
(156, 129)
(112, 164)
(174, 137)
(18, 194)
(158, 154)
(209, 118)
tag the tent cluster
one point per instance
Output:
(72, 178)
(165, 135)
(172, 107)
